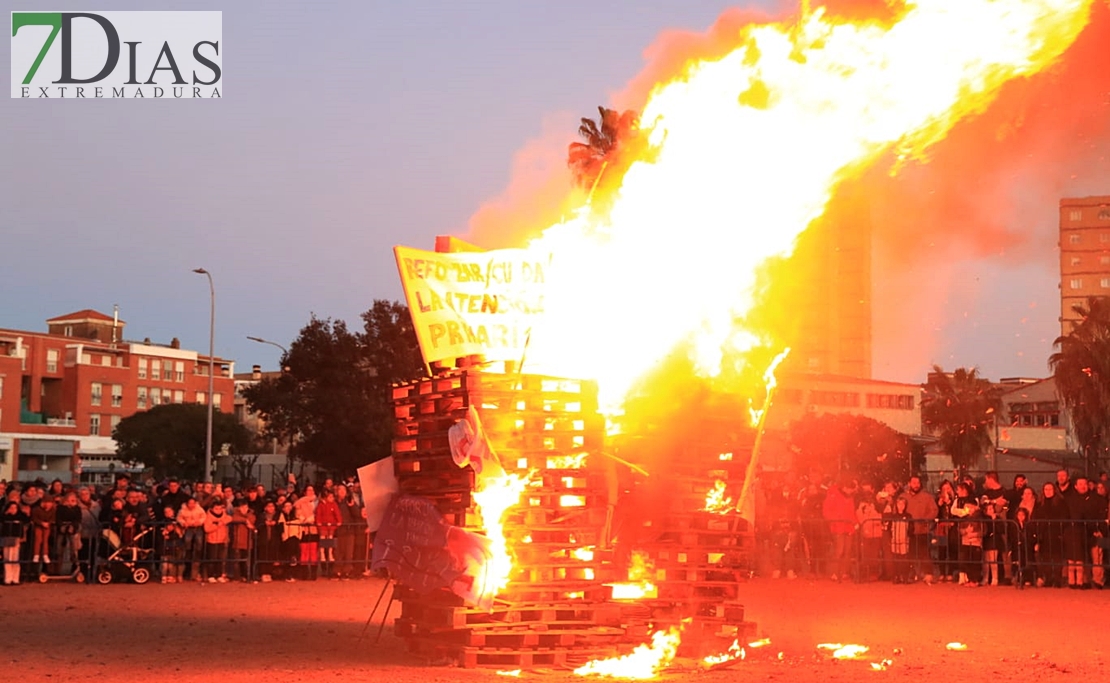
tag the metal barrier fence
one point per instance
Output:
(170, 552)
(978, 551)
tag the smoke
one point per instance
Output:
(539, 190)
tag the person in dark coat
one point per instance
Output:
(269, 541)
(1049, 518)
(13, 532)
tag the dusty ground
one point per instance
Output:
(310, 631)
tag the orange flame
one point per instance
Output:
(956, 647)
(494, 497)
(717, 500)
(845, 651)
(744, 152)
(645, 662)
(770, 381)
(733, 653)
(640, 584)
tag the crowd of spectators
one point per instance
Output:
(968, 531)
(183, 532)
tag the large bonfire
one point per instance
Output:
(739, 154)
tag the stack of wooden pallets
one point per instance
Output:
(555, 610)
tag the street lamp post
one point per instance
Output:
(260, 340)
(285, 355)
(211, 372)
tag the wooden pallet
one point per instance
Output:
(522, 658)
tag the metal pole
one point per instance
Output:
(211, 372)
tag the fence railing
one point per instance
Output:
(981, 550)
(170, 552)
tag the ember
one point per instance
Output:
(717, 501)
(844, 651)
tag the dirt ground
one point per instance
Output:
(310, 631)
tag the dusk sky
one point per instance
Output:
(346, 128)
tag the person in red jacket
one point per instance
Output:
(839, 511)
(328, 519)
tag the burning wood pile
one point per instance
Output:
(544, 510)
(553, 591)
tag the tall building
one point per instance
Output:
(1084, 254)
(823, 294)
(63, 391)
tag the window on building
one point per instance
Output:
(68, 331)
(1, 386)
(117, 395)
(52, 360)
(1040, 414)
(94, 424)
(1076, 214)
(106, 361)
(202, 398)
(142, 398)
(1104, 215)
(1073, 238)
(97, 392)
(1076, 283)
(115, 420)
(178, 396)
(167, 397)
(179, 371)
(216, 400)
(155, 369)
(894, 401)
(142, 368)
(1075, 260)
(1104, 283)
(167, 370)
(155, 396)
(848, 399)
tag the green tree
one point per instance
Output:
(960, 409)
(170, 439)
(602, 141)
(855, 445)
(1081, 368)
(333, 403)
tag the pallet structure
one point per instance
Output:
(697, 558)
(555, 610)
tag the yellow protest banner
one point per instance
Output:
(473, 303)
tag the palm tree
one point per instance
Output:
(960, 408)
(603, 139)
(1081, 368)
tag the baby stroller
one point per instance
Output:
(125, 560)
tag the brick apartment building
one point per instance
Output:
(63, 391)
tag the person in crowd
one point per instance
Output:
(328, 519)
(43, 517)
(351, 523)
(291, 532)
(966, 509)
(268, 542)
(994, 539)
(305, 507)
(1049, 519)
(815, 532)
(1076, 537)
(922, 507)
(870, 522)
(173, 497)
(13, 532)
(1015, 495)
(901, 523)
(173, 546)
(1025, 543)
(947, 533)
(215, 542)
(192, 517)
(840, 515)
(242, 536)
(67, 537)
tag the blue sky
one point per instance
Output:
(345, 128)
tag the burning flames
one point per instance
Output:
(845, 651)
(744, 152)
(640, 576)
(733, 653)
(717, 500)
(494, 497)
(642, 663)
